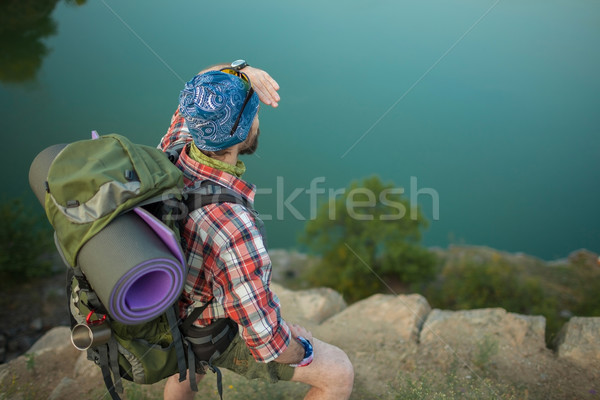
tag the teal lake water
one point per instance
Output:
(490, 108)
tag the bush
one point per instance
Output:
(469, 284)
(367, 239)
(25, 240)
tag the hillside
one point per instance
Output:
(401, 348)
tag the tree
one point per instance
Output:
(368, 238)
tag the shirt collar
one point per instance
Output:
(194, 171)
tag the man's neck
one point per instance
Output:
(230, 158)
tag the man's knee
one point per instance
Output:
(338, 373)
(344, 370)
(330, 370)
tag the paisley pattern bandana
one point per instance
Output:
(211, 103)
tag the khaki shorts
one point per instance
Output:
(237, 358)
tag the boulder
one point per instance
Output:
(379, 335)
(85, 368)
(380, 323)
(579, 341)
(62, 390)
(309, 307)
(56, 339)
(478, 335)
(381, 318)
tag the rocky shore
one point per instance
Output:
(390, 339)
(399, 345)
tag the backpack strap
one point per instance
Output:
(191, 359)
(174, 151)
(196, 312)
(196, 199)
(177, 341)
(113, 359)
(210, 192)
(104, 367)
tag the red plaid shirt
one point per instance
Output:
(227, 259)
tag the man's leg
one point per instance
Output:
(175, 390)
(331, 374)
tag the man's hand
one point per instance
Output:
(295, 351)
(297, 330)
(265, 86)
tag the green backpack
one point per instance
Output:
(90, 187)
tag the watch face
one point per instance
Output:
(239, 64)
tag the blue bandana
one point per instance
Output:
(210, 104)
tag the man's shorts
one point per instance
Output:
(237, 358)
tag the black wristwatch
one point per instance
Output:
(239, 64)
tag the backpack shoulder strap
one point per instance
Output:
(174, 151)
(213, 193)
(189, 320)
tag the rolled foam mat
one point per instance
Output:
(132, 270)
(135, 264)
(38, 172)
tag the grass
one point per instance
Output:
(13, 388)
(234, 388)
(451, 385)
(486, 349)
(30, 361)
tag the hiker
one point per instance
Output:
(230, 269)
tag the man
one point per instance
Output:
(230, 268)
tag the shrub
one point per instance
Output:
(25, 240)
(366, 239)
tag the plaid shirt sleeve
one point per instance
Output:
(241, 285)
(177, 133)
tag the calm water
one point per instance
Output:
(492, 106)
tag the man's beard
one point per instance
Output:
(251, 144)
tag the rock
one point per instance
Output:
(515, 329)
(85, 368)
(579, 341)
(4, 372)
(55, 339)
(379, 335)
(310, 307)
(381, 319)
(62, 390)
(476, 334)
